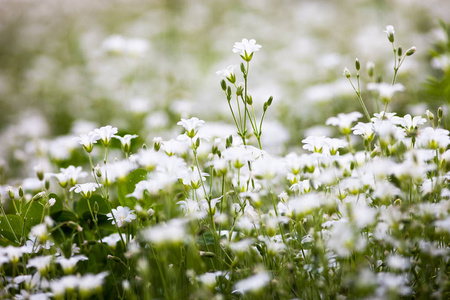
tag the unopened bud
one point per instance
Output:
(98, 171)
(157, 143)
(20, 192)
(38, 196)
(239, 90)
(249, 100)
(11, 193)
(242, 68)
(411, 51)
(228, 92)
(96, 207)
(440, 112)
(357, 65)
(223, 84)
(370, 68)
(346, 73)
(400, 51)
(269, 102)
(430, 115)
(207, 254)
(47, 184)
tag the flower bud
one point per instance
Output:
(47, 184)
(411, 51)
(38, 196)
(243, 68)
(440, 113)
(239, 90)
(11, 193)
(223, 84)
(346, 73)
(249, 100)
(370, 68)
(400, 51)
(357, 65)
(98, 171)
(157, 143)
(269, 102)
(20, 192)
(430, 115)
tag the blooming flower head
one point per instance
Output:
(191, 125)
(122, 215)
(385, 90)
(42, 263)
(88, 141)
(68, 264)
(344, 121)
(125, 141)
(105, 134)
(228, 73)
(85, 189)
(252, 283)
(246, 48)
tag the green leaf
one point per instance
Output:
(83, 208)
(128, 185)
(16, 224)
(57, 208)
(66, 215)
(34, 215)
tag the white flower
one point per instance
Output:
(172, 232)
(85, 189)
(91, 283)
(228, 73)
(68, 264)
(252, 283)
(88, 141)
(126, 141)
(69, 175)
(385, 90)
(42, 263)
(246, 48)
(366, 130)
(344, 121)
(191, 125)
(105, 134)
(122, 216)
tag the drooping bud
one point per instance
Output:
(411, 51)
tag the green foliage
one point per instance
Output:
(128, 185)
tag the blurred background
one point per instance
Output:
(69, 66)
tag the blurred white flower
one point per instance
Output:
(105, 133)
(122, 215)
(252, 283)
(191, 126)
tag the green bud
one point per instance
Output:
(399, 51)
(11, 194)
(229, 141)
(223, 84)
(243, 68)
(20, 192)
(207, 254)
(47, 184)
(114, 258)
(411, 51)
(430, 115)
(98, 171)
(249, 100)
(96, 207)
(269, 102)
(357, 65)
(228, 92)
(370, 68)
(197, 143)
(144, 146)
(38, 196)
(346, 73)
(440, 112)
(265, 106)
